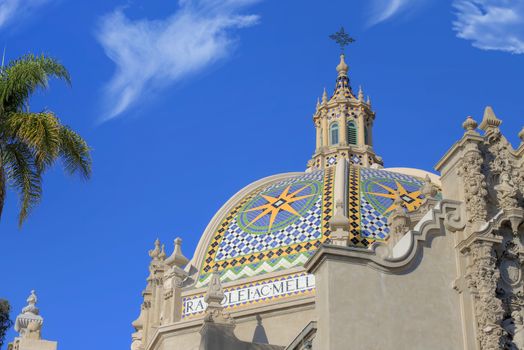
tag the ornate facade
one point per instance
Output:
(347, 254)
(351, 255)
(29, 327)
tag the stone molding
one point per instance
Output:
(446, 215)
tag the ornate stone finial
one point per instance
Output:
(318, 104)
(214, 296)
(490, 120)
(342, 67)
(155, 253)
(324, 97)
(215, 293)
(31, 304)
(339, 225)
(429, 190)
(177, 258)
(162, 255)
(29, 323)
(521, 135)
(470, 125)
(360, 94)
(398, 221)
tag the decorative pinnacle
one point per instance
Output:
(360, 94)
(324, 97)
(342, 67)
(342, 39)
(155, 252)
(428, 189)
(31, 304)
(521, 135)
(162, 255)
(469, 124)
(177, 258)
(490, 120)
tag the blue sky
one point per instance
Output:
(184, 103)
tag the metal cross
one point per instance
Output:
(342, 38)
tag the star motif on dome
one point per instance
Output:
(275, 205)
(410, 200)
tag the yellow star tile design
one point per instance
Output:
(411, 200)
(275, 205)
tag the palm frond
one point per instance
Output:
(22, 77)
(39, 131)
(23, 175)
(74, 152)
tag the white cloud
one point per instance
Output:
(382, 10)
(151, 54)
(491, 24)
(11, 9)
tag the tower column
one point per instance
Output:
(370, 135)
(325, 131)
(318, 130)
(361, 129)
(342, 130)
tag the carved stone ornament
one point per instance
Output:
(482, 277)
(398, 222)
(507, 192)
(475, 191)
(510, 271)
(29, 323)
(214, 297)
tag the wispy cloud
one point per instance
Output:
(382, 10)
(152, 54)
(11, 9)
(491, 24)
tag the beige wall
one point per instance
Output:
(370, 309)
(280, 327)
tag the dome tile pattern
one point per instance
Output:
(277, 226)
(281, 224)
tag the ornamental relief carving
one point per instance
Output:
(475, 187)
(501, 172)
(510, 289)
(482, 278)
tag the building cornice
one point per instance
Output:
(379, 256)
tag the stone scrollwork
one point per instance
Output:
(453, 221)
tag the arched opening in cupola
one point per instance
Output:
(352, 132)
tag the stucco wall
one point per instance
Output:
(277, 327)
(361, 308)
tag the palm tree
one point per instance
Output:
(30, 142)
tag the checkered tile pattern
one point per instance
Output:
(237, 243)
(238, 254)
(368, 220)
(373, 224)
(368, 173)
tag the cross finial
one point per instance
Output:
(342, 38)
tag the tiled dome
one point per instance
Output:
(279, 222)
